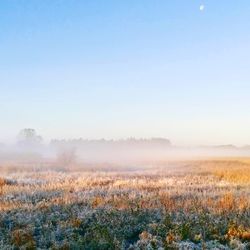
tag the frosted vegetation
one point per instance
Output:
(170, 205)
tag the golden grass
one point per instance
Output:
(234, 170)
(212, 192)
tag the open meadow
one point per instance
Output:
(200, 204)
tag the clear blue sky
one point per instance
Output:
(115, 69)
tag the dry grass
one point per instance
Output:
(201, 201)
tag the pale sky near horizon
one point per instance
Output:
(115, 69)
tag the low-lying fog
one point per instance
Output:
(30, 148)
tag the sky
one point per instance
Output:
(133, 68)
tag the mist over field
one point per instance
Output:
(131, 194)
(30, 147)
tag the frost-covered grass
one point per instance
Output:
(177, 205)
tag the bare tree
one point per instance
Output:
(66, 157)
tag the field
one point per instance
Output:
(200, 204)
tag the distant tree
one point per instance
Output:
(29, 137)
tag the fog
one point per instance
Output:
(31, 149)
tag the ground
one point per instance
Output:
(199, 204)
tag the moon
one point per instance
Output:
(202, 7)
